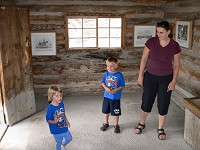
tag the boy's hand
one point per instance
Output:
(113, 91)
(56, 120)
(108, 89)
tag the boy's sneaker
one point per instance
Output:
(63, 147)
(104, 127)
(117, 129)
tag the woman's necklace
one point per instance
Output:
(164, 43)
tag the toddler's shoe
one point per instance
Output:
(63, 147)
(117, 129)
(104, 127)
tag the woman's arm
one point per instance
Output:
(176, 67)
(143, 63)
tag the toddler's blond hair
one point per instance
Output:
(52, 90)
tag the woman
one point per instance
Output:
(158, 73)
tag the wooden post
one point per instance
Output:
(192, 122)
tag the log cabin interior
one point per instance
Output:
(78, 69)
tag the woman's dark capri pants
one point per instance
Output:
(156, 85)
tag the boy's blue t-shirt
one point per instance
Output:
(59, 112)
(113, 81)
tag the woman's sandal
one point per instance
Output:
(161, 132)
(139, 127)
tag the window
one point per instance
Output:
(109, 32)
(94, 32)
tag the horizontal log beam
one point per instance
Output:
(90, 3)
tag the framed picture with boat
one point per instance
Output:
(142, 34)
(43, 43)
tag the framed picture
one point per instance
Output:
(142, 34)
(43, 43)
(184, 33)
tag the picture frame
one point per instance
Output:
(142, 34)
(184, 33)
(43, 43)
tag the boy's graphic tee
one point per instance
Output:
(57, 112)
(113, 81)
(60, 115)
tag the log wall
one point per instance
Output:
(80, 71)
(189, 75)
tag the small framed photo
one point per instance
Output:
(142, 34)
(43, 43)
(184, 33)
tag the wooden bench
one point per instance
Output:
(192, 122)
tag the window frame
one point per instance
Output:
(92, 17)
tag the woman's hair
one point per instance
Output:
(166, 26)
(112, 59)
(52, 90)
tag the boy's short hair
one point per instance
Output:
(112, 59)
(52, 90)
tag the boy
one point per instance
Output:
(55, 116)
(112, 82)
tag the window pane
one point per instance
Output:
(75, 43)
(89, 32)
(75, 33)
(115, 22)
(89, 42)
(82, 32)
(103, 32)
(74, 23)
(115, 42)
(115, 32)
(103, 42)
(89, 23)
(103, 22)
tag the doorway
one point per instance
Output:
(17, 100)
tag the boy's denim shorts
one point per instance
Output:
(111, 106)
